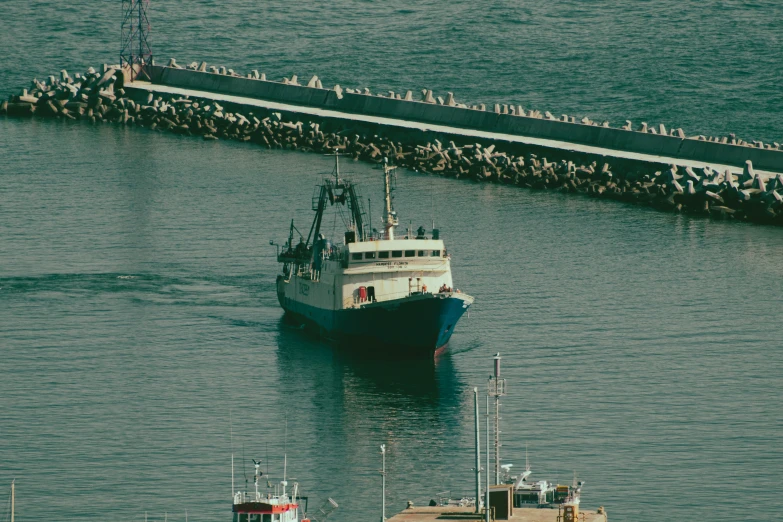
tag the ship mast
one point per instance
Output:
(390, 216)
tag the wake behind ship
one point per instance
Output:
(374, 292)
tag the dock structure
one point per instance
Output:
(437, 513)
(629, 146)
(722, 178)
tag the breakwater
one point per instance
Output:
(512, 119)
(105, 96)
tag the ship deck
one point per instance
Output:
(427, 514)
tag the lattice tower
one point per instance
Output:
(135, 47)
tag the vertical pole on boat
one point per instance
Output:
(389, 218)
(285, 440)
(383, 483)
(486, 493)
(478, 453)
(13, 499)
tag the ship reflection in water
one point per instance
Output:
(346, 405)
(426, 384)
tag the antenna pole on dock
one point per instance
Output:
(478, 453)
(383, 483)
(486, 493)
(497, 388)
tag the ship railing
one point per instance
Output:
(389, 296)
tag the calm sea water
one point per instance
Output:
(138, 321)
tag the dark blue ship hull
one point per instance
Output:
(419, 325)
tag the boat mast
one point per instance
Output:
(285, 446)
(390, 217)
(231, 432)
(12, 500)
(383, 483)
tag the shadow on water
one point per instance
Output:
(425, 385)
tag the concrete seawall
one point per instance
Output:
(665, 183)
(393, 106)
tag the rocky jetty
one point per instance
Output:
(100, 97)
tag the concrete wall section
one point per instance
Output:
(605, 137)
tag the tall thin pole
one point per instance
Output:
(13, 499)
(285, 456)
(478, 452)
(383, 483)
(231, 432)
(497, 439)
(486, 493)
(497, 388)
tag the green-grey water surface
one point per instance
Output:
(137, 306)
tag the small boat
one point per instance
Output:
(379, 292)
(540, 493)
(278, 504)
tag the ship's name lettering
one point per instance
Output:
(391, 264)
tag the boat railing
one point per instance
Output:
(354, 299)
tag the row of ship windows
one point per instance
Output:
(358, 256)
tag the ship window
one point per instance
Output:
(383, 255)
(436, 253)
(357, 256)
(369, 255)
(410, 253)
(267, 518)
(397, 253)
(422, 253)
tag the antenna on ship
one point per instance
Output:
(383, 483)
(369, 212)
(244, 470)
(13, 498)
(256, 464)
(390, 217)
(285, 455)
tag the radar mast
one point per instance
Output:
(390, 216)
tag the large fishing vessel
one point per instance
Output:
(375, 291)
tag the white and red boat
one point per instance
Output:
(278, 504)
